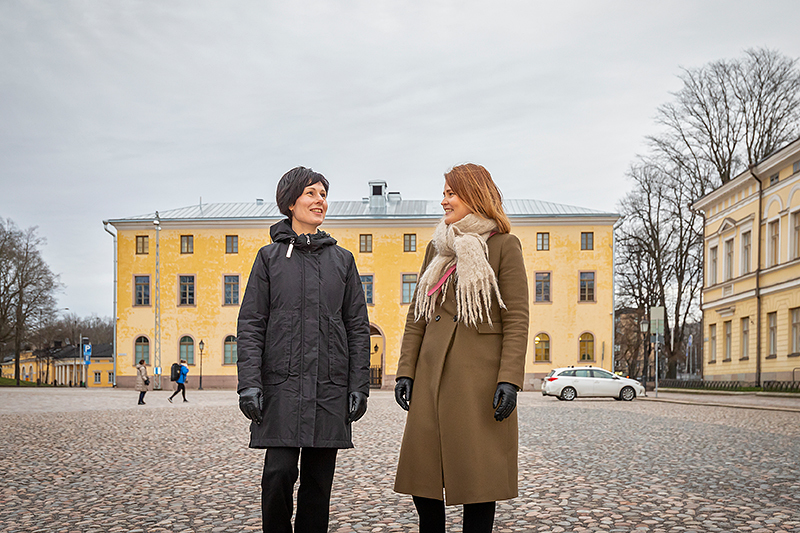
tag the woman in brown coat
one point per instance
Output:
(142, 381)
(463, 356)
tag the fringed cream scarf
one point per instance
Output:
(460, 248)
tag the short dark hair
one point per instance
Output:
(292, 185)
(141, 362)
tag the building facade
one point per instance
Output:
(751, 289)
(182, 274)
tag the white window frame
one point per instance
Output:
(773, 245)
(744, 326)
(727, 260)
(713, 264)
(746, 251)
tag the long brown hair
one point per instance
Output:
(474, 186)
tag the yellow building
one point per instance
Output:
(751, 294)
(63, 366)
(182, 273)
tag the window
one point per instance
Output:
(542, 343)
(186, 290)
(111, 377)
(728, 327)
(365, 246)
(795, 235)
(231, 290)
(141, 290)
(773, 179)
(142, 350)
(587, 240)
(772, 322)
(97, 378)
(410, 242)
(409, 286)
(586, 346)
(142, 245)
(187, 349)
(187, 244)
(712, 343)
(746, 252)
(745, 337)
(587, 287)
(542, 241)
(231, 356)
(543, 286)
(231, 244)
(712, 266)
(774, 243)
(728, 266)
(796, 330)
(366, 284)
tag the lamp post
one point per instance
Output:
(644, 325)
(201, 346)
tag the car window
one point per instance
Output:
(551, 373)
(568, 373)
(582, 373)
(602, 374)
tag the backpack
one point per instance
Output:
(174, 372)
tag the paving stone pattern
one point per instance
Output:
(92, 461)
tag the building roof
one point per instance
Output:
(349, 209)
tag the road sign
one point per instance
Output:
(157, 371)
(87, 354)
(690, 340)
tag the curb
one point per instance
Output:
(734, 406)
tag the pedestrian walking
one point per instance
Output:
(463, 356)
(181, 381)
(303, 347)
(142, 381)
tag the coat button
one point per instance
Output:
(437, 318)
(455, 319)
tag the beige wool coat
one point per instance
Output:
(453, 448)
(141, 375)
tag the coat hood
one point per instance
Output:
(283, 232)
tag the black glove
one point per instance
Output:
(505, 400)
(358, 406)
(251, 403)
(402, 392)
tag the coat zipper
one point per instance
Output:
(291, 247)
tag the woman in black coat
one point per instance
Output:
(303, 347)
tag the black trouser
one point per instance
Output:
(181, 388)
(313, 496)
(478, 517)
(141, 396)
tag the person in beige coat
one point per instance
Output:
(142, 381)
(462, 360)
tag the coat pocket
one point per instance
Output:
(496, 328)
(277, 352)
(338, 367)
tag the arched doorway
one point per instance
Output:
(377, 346)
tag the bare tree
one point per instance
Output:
(27, 286)
(727, 115)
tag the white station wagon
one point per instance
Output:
(585, 381)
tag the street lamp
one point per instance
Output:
(201, 346)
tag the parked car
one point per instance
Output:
(585, 382)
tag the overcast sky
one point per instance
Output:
(116, 108)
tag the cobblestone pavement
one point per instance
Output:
(76, 460)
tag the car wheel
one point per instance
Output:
(627, 394)
(568, 394)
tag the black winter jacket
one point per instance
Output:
(303, 339)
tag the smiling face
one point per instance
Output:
(454, 208)
(308, 211)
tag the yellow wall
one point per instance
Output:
(732, 211)
(564, 319)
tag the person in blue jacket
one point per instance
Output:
(181, 381)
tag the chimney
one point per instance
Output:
(377, 194)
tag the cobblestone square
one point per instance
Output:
(91, 460)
